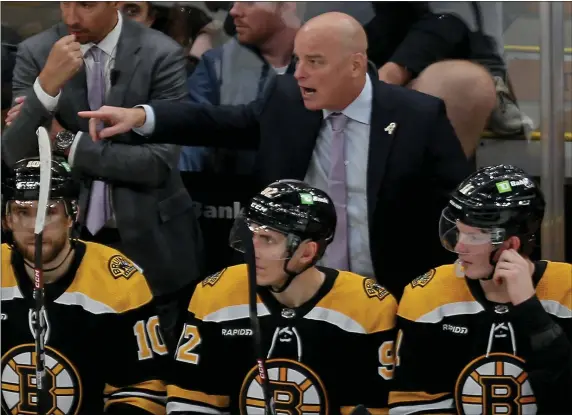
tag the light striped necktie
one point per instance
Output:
(99, 210)
(338, 252)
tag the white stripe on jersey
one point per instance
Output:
(187, 407)
(420, 408)
(451, 309)
(556, 309)
(235, 312)
(336, 318)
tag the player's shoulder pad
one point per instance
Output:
(432, 290)
(362, 300)
(225, 288)
(554, 289)
(8, 279)
(109, 277)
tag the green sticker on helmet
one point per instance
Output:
(504, 187)
(66, 166)
(306, 199)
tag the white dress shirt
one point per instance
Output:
(356, 150)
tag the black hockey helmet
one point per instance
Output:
(22, 183)
(502, 201)
(295, 209)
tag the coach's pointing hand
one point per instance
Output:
(116, 120)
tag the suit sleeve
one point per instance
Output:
(225, 126)
(144, 164)
(136, 356)
(549, 361)
(450, 165)
(197, 382)
(19, 140)
(433, 38)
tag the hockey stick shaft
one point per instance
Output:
(40, 325)
(250, 259)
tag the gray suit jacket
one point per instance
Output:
(153, 210)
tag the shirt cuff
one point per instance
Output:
(149, 126)
(50, 103)
(73, 148)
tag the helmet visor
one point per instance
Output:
(461, 238)
(22, 213)
(269, 244)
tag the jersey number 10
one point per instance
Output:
(149, 338)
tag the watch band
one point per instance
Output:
(63, 141)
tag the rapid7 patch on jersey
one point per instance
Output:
(373, 289)
(423, 280)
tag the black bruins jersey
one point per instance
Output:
(325, 357)
(102, 338)
(458, 353)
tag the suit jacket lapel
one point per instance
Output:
(126, 61)
(306, 137)
(381, 136)
(76, 90)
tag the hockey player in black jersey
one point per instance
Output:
(327, 335)
(102, 339)
(492, 333)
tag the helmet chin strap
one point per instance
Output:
(493, 263)
(53, 268)
(291, 276)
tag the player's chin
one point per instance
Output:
(475, 272)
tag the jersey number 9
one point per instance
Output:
(389, 357)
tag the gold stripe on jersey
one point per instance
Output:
(156, 386)
(414, 397)
(94, 281)
(444, 288)
(142, 403)
(352, 296)
(419, 402)
(347, 410)
(554, 290)
(231, 289)
(201, 398)
(8, 279)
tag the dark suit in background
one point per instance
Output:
(153, 211)
(409, 174)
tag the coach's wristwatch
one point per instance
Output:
(62, 143)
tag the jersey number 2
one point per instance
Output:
(149, 338)
(188, 341)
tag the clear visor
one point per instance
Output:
(460, 238)
(22, 213)
(269, 244)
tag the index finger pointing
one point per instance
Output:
(92, 114)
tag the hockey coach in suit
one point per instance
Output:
(402, 160)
